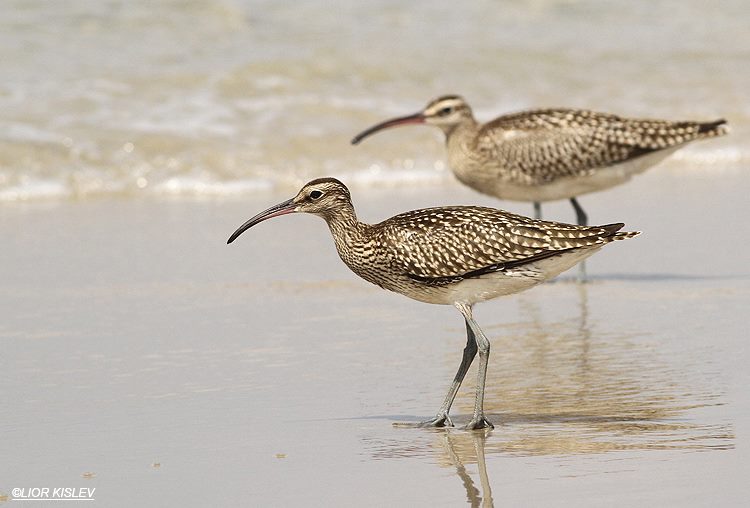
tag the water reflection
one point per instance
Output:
(574, 386)
(468, 447)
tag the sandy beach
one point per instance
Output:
(146, 358)
(146, 363)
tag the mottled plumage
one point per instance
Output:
(456, 255)
(448, 244)
(540, 146)
(549, 154)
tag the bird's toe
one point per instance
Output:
(441, 420)
(479, 423)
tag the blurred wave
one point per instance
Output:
(221, 97)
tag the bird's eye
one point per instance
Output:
(445, 111)
(315, 194)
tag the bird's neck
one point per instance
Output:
(344, 224)
(356, 245)
(467, 125)
(461, 145)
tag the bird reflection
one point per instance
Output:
(565, 383)
(465, 448)
(572, 385)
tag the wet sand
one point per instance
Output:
(146, 358)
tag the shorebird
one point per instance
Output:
(453, 255)
(550, 154)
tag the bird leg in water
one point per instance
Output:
(537, 210)
(442, 419)
(583, 220)
(478, 421)
(581, 216)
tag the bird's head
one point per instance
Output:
(445, 112)
(324, 197)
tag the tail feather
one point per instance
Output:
(613, 228)
(716, 128)
(624, 235)
(614, 234)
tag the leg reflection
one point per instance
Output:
(459, 447)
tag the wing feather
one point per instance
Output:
(453, 243)
(539, 146)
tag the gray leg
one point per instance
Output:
(478, 421)
(583, 220)
(537, 210)
(581, 217)
(442, 419)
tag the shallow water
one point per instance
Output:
(265, 373)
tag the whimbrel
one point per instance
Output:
(455, 255)
(550, 154)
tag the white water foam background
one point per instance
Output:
(221, 98)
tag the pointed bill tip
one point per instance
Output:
(402, 120)
(284, 208)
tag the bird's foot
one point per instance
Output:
(479, 422)
(441, 420)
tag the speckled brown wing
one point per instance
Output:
(539, 146)
(441, 245)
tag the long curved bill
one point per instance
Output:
(394, 122)
(288, 206)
